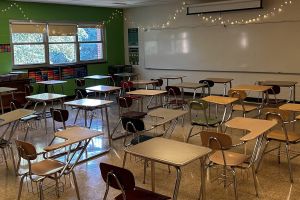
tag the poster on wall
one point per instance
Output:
(133, 46)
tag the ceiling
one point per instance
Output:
(107, 3)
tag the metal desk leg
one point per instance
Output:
(85, 117)
(178, 179)
(107, 123)
(153, 176)
(44, 113)
(203, 179)
(294, 93)
(225, 86)
(2, 109)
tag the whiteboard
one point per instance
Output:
(268, 47)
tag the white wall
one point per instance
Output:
(152, 16)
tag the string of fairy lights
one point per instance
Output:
(213, 18)
(117, 13)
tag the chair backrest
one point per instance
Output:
(125, 102)
(28, 89)
(172, 90)
(274, 90)
(159, 82)
(240, 94)
(80, 93)
(132, 125)
(126, 84)
(80, 82)
(215, 140)
(59, 115)
(26, 150)
(209, 83)
(198, 104)
(112, 175)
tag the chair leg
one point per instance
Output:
(261, 157)
(289, 161)
(189, 135)
(124, 159)
(75, 184)
(91, 120)
(235, 184)
(5, 159)
(21, 186)
(145, 171)
(115, 129)
(41, 190)
(76, 116)
(254, 179)
(278, 155)
(27, 129)
(13, 160)
(57, 186)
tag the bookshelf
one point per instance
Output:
(57, 73)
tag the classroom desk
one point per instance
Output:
(5, 90)
(12, 117)
(87, 104)
(51, 83)
(99, 77)
(168, 77)
(255, 88)
(223, 81)
(290, 84)
(290, 107)
(144, 82)
(163, 116)
(221, 100)
(127, 75)
(78, 136)
(151, 93)
(173, 153)
(189, 85)
(256, 127)
(44, 98)
(104, 89)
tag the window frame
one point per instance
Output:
(47, 43)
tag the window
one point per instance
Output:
(62, 46)
(90, 43)
(56, 44)
(28, 44)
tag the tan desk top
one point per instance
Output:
(103, 88)
(51, 82)
(14, 115)
(220, 100)
(189, 85)
(168, 151)
(73, 135)
(97, 77)
(166, 115)
(256, 127)
(88, 103)
(7, 89)
(125, 74)
(255, 88)
(220, 80)
(146, 92)
(45, 97)
(172, 77)
(290, 107)
(143, 82)
(279, 83)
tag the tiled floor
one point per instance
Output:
(272, 178)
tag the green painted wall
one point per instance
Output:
(67, 13)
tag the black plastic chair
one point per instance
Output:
(209, 85)
(123, 179)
